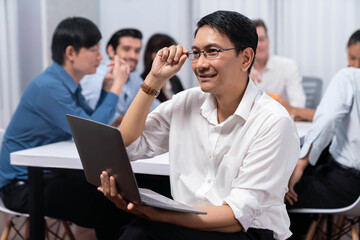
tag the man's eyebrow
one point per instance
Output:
(208, 46)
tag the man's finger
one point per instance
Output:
(113, 190)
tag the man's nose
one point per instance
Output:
(133, 54)
(202, 61)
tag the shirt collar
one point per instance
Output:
(209, 107)
(65, 77)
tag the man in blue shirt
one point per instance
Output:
(125, 43)
(40, 119)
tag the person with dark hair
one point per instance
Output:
(329, 177)
(154, 44)
(40, 119)
(353, 49)
(232, 148)
(126, 44)
(276, 75)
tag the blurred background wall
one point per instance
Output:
(312, 32)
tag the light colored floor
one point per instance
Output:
(79, 232)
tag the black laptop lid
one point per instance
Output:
(101, 147)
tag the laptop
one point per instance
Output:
(100, 148)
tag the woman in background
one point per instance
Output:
(154, 44)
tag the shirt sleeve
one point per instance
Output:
(53, 103)
(294, 88)
(333, 107)
(155, 138)
(263, 177)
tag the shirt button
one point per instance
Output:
(209, 180)
(210, 155)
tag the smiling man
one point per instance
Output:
(232, 148)
(125, 43)
(40, 119)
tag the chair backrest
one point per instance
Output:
(313, 91)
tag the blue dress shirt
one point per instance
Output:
(92, 85)
(337, 120)
(40, 117)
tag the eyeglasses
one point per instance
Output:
(208, 54)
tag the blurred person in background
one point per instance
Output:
(40, 119)
(126, 44)
(276, 75)
(154, 44)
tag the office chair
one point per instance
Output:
(348, 219)
(313, 91)
(19, 222)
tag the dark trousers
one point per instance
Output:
(327, 185)
(140, 229)
(68, 196)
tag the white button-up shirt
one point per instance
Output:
(281, 76)
(245, 161)
(337, 120)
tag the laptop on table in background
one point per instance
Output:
(100, 148)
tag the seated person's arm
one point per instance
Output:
(300, 114)
(291, 196)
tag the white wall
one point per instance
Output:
(315, 34)
(9, 66)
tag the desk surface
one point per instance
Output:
(65, 155)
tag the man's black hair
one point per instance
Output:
(355, 38)
(73, 31)
(126, 32)
(239, 29)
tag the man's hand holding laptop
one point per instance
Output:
(108, 188)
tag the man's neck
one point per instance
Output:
(76, 76)
(228, 103)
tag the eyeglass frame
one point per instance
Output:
(191, 55)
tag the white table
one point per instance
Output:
(65, 155)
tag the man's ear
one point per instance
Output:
(70, 53)
(248, 56)
(110, 51)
